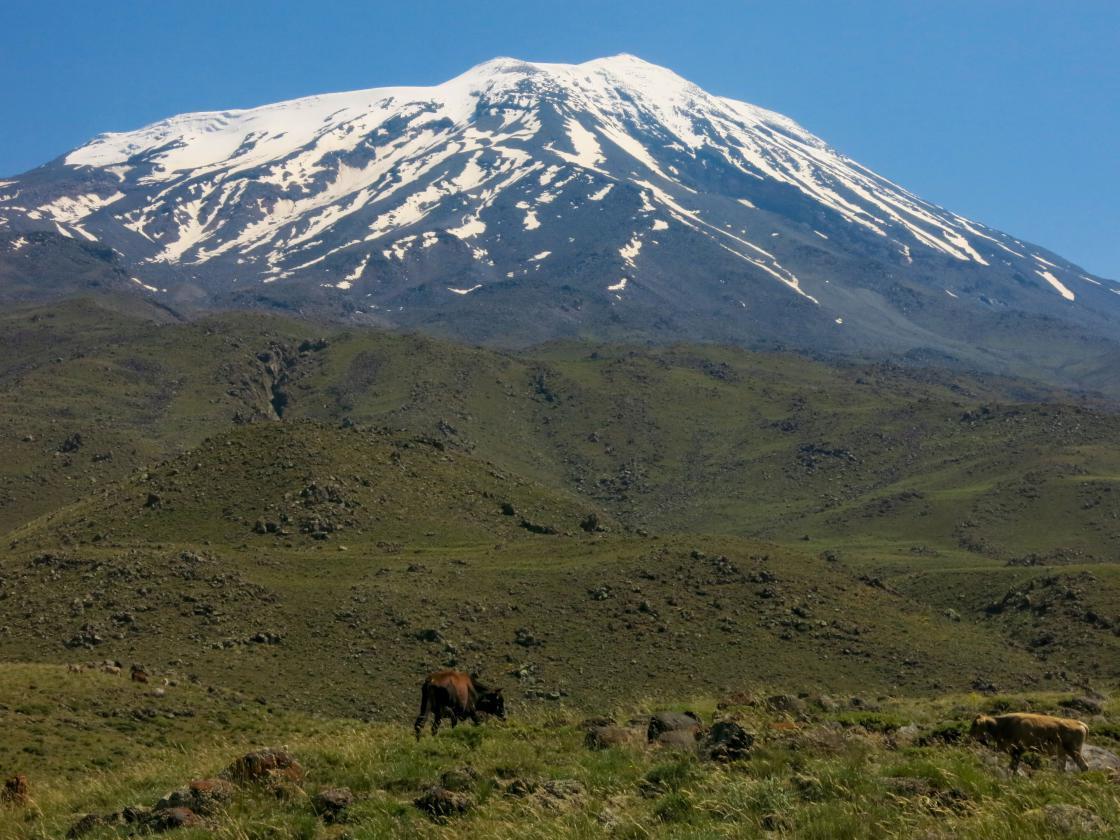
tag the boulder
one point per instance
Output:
(209, 795)
(685, 740)
(331, 803)
(826, 703)
(1068, 820)
(786, 704)
(518, 788)
(134, 814)
(661, 722)
(1098, 758)
(263, 766)
(178, 798)
(1082, 704)
(439, 803)
(561, 794)
(168, 818)
(905, 736)
(85, 825)
(459, 779)
(605, 737)
(727, 741)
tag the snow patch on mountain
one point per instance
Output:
(1056, 283)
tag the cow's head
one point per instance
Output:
(982, 727)
(493, 703)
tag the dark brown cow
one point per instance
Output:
(459, 696)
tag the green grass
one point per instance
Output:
(830, 777)
(770, 521)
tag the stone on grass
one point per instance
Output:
(727, 741)
(265, 765)
(331, 803)
(661, 722)
(440, 803)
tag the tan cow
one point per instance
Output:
(1018, 732)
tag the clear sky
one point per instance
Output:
(1007, 111)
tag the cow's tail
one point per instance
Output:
(425, 703)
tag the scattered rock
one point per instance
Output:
(1068, 820)
(727, 741)
(88, 636)
(263, 766)
(170, 818)
(786, 704)
(904, 736)
(518, 787)
(85, 825)
(559, 794)
(661, 722)
(133, 814)
(591, 524)
(826, 703)
(439, 802)
(203, 796)
(1082, 704)
(685, 740)
(524, 638)
(72, 443)
(459, 779)
(331, 803)
(1098, 758)
(605, 736)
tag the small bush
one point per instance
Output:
(673, 807)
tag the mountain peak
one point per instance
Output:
(610, 194)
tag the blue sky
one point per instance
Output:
(1007, 111)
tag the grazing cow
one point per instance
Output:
(1016, 733)
(459, 696)
(138, 674)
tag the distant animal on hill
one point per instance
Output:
(459, 696)
(1018, 732)
(138, 674)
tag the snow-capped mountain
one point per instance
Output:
(524, 201)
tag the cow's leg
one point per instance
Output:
(454, 719)
(1016, 754)
(474, 718)
(424, 703)
(437, 718)
(1078, 758)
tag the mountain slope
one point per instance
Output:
(523, 202)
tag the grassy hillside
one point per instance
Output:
(819, 767)
(299, 512)
(288, 526)
(702, 439)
